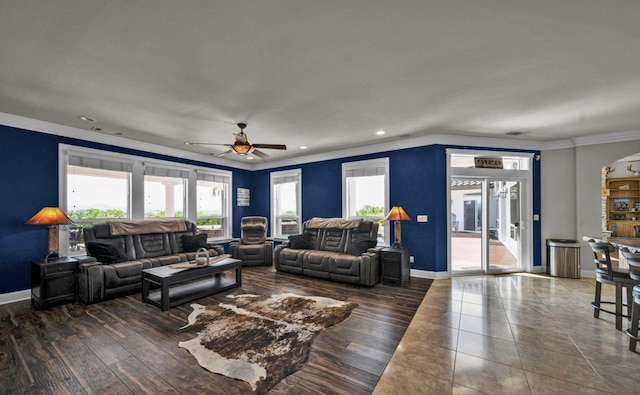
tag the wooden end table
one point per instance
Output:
(53, 281)
(395, 265)
(179, 286)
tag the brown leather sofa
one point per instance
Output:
(334, 249)
(123, 249)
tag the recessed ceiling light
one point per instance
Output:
(515, 133)
(303, 147)
(118, 133)
(250, 157)
(87, 119)
(380, 132)
(95, 128)
(188, 143)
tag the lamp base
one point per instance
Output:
(52, 244)
(397, 231)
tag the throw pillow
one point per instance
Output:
(301, 242)
(359, 247)
(106, 252)
(193, 243)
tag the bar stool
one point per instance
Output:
(606, 274)
(634, 265)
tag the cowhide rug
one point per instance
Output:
(260, 339)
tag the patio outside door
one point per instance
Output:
(490, 241)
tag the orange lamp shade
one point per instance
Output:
(50, 216)
(397, 213)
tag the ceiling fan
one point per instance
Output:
(242, 146)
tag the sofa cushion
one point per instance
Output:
(334, 240)
(151, 245)
(191, 243)
(106, 252)
(253, 230)
(301, 242)
(345, 264)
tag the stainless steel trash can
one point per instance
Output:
(563, 258)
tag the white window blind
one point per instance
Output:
(165, 172)
(213, 177)
(99, 163)
(365, 171)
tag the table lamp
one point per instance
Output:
(397, 214)
(53, 217)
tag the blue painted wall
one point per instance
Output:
(417, 182)
(29, 167)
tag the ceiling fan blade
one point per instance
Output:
(224, 153)
(270, 146)
(259, 154)
(226, 145)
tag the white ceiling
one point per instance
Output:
(326, 74)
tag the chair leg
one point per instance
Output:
(619, 306)
(596, 303)
(633, 331)
(629, 299)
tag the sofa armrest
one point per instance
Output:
(217, 248)
(370, 267)
(85, 259)
(90, 282)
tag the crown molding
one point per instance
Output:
(442, 139)
(394, 145)
(608, 138)
(88, 135)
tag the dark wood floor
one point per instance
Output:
(123, 346)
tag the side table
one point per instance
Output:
(395, 265)
(53, 282)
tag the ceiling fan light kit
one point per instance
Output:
(243, 147)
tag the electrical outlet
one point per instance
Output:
(536, 217)
(411, 259)
(423, 218)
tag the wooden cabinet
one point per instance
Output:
(53, 282)
(623, 205)
(395, 265)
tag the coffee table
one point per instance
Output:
(179, 286)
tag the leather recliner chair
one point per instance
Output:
(253, 248)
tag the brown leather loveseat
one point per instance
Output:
(123, 249)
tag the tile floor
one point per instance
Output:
(512, 334)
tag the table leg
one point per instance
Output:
(164, 295)
(239, 275)
(145, 288)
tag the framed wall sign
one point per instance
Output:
(488, 163)
(243, 197)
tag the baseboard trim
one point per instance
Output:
(429, 274)
(16, 296)
(588, 273)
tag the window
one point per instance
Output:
(97, 189)
(365, 192)
(96, 186)
(213, 203)
(286, 207)
(164, 192)
(509, 161)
